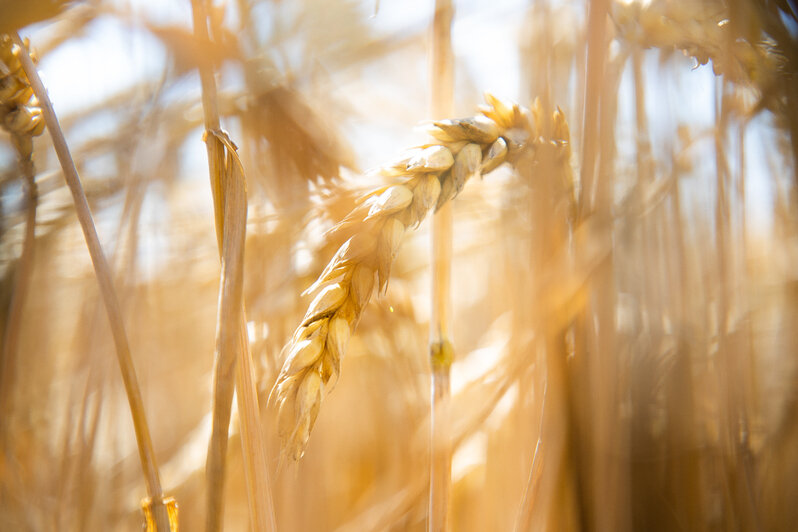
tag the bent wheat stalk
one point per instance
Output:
(103, 273)
(434, 174)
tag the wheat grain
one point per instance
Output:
(20, 113)
(434, 174)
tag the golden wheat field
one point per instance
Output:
(382, 265)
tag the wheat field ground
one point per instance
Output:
(469, 266)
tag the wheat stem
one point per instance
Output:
(597, 15)
(523, 518)
(232, 350)
(224, 361)
(21, 285)
(256, 473)
(103, 273)
(222, 374)
(441, 351)
(228, 339)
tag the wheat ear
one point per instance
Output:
(20, 112)
(434, 174)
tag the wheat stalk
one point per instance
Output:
(434, 174)
(102, 272)
(232, 344)
(441, 350)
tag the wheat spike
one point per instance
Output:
(20, 113)
(434, 174)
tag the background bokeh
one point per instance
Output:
(642, 353)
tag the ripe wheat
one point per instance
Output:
(435, 174)
(20, 113)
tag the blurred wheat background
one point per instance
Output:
(624, 299)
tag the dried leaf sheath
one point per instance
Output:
(232, 347)
(229, 307)
(435, 174)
